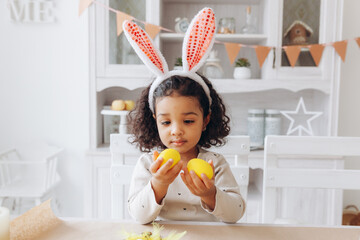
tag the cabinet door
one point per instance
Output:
(114, 55)
(305, 22)
(97, 191)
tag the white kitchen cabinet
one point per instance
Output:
(117, 73)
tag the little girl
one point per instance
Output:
(181, 110)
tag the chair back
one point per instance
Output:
(308, 163)
(236, 152)
(124, 156)
(7, 173)
(29, 172)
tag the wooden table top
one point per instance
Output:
(111, 230)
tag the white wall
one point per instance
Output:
(349, 114)
(44, 91)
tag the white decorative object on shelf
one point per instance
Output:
(242, 70)
(255, 125)
(242, 73)
(272, 122)
(181, 25)
(300, 110)
(123, 121)
(249, 27)
(212, 67)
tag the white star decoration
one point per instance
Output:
(300, 126)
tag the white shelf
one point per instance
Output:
(107, 111)
(238, 38)
(258, 85)
(232, 85)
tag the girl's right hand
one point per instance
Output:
(164, 175)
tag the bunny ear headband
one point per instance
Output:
(198, 41)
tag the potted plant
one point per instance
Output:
(242, 70)
(178, 63)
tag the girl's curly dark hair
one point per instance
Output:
(143, 124)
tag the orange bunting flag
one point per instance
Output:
(340, 48)
(120, 18)
(152, 30)
(232, 50)
(316, 51)
(292, 52)
(261, 53)
(84, 4)
(358, 41)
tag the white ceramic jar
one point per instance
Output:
(255, 126)
(272, 122)
(242, 73)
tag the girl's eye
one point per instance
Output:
(165, 122)
(189, 121)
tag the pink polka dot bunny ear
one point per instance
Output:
(199, 39)
(145, 48)
(197, 45)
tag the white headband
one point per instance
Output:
(198, 41)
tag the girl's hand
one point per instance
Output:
(202, 187)
(163, 176)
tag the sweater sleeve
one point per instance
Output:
(142, 205)
(229, 205)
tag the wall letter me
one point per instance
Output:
(32, 11)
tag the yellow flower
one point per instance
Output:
(154, 235)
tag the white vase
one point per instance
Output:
(242, 73)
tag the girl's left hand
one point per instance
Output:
(202, 187)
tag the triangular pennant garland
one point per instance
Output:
(84, 4)
(232, 50)
(120, 18)
(292, 52)
(261, 53)
(358, 41)
(340, 48)
(152, 30)
(316, 51)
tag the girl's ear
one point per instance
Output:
(199, 39)
(206, 121)
(145, 48)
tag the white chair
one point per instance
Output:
(28, 172)
(236, 152)
(308, 164)
(124, 156)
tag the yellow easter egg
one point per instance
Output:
(200, 166)
(170, 154)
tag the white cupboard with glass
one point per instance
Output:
(117, 72)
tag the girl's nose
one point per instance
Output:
(176, 130)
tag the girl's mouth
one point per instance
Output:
(178, 143)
